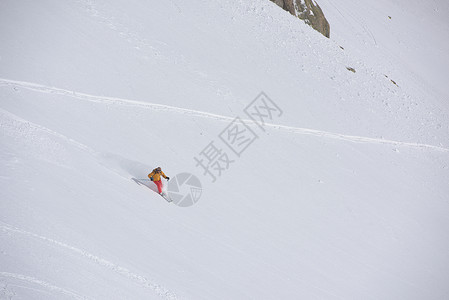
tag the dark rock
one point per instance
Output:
(351, 69)
(309, 11)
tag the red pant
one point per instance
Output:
(159, 185)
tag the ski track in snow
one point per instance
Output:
(139, 279)
(44, 284)
(195, 113)
(10, 121)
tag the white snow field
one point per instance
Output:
(343, 195)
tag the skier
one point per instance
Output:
(155, 176)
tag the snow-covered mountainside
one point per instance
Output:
(340, 193)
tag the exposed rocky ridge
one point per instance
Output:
(309, 11)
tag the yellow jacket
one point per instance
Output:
(156, 176)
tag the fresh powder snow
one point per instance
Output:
(338, 189)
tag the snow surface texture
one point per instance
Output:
(344, 196)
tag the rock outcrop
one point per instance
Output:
(309, 11)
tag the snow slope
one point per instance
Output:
(342, 196)
(409, 38)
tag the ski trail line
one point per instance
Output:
(9, 121)
(44, 284)
(195, 113)
(139, 279)
(16, 126)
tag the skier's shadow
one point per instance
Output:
(147, 183)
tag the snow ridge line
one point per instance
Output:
(141, 280)
(14, 118)
(195, 113)
(43, 284)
